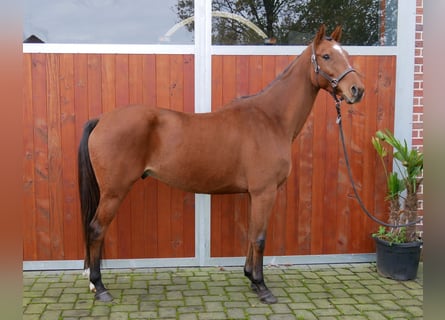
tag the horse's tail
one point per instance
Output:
(88, 187)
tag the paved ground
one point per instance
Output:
(347, 291)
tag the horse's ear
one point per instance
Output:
(336, 35)
(320, 35)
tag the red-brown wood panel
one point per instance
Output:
(71, 235)
(315, 212)
(81, 115)
(41, 166)
(29, 190)
(62, 91)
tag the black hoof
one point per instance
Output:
(103, 296)
(267, 297)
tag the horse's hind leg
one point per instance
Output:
(260, 210)
(105, 213)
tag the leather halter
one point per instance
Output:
(333, 81)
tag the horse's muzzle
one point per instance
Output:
(356, 94)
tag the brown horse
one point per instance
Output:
(187, 151)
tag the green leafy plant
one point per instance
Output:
(402, 186)
(391, 237)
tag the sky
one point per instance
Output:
(102, 21)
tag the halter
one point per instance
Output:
(333, 81)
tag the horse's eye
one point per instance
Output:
(326, 57)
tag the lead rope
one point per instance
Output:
(359, 199)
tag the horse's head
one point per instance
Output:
(332, 70)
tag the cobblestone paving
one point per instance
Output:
(347, 291)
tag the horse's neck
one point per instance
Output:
(289, 98)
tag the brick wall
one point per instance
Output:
(417, 131)
(417, 136)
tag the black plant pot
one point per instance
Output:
(398, 261)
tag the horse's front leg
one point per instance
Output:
(260, 210)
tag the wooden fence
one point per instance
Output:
(315, 211)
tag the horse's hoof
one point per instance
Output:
(267, 297)
(103, 296)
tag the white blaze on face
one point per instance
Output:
(338, 48)
(340, 51)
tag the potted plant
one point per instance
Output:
(398, 247)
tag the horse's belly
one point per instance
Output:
(199, 180)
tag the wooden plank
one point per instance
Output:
(242, 76)
(29, 204)
(54, 157)
(81, 111)
(217, 82)
(189, 84)
(72, 237)
(81, 103)
(164, 221)
(228, 226)
(151, 219)
(281, 62)
(269, 70)
(255, 74)
(137, 219)
(122, 84)
(94, 85)
(215, 227)
(135, 79)
(177, 222)
(189, 225)
(149, 80)
(39, 98)
(176, 82)
(229, 85)
(108, 84)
